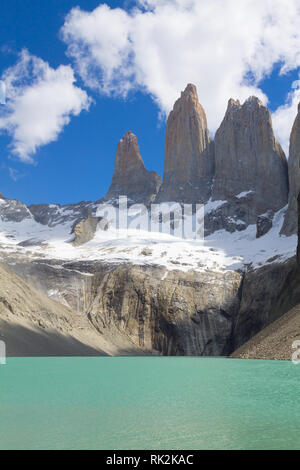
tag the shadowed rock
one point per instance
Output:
(250, 167)
(290, 225)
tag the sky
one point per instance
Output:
(79, 74)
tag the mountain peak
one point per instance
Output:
(188, 161)
(253, 101)
(246, 150)
(190, 90)
(128, 153)
(130, 177)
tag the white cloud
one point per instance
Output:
(284, 116)
(40, 102)
(161, 45)
(2, 92)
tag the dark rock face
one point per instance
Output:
(264, 224)
(261, 301)
(290, 225)
(189, 163)
(130, 176)
(276, 326)
(250, 165)
(13, 211)
(298, 227)
(189, 314)
(55, 214)
(205, 314)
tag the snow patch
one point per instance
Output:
(218, 252)
(244, 194)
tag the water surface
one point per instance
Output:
(149, 403)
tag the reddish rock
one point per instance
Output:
(130, 176)
(189, 162)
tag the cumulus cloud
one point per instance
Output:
(225, 47)
(284, 116)
(40, 101)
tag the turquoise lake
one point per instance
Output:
(149, 403)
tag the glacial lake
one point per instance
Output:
(149, 403)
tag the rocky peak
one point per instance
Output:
(130, 177)
(248, 159)
(290, 225)
(190, 97)
(254, 101)
(189, 163)
(128, 154)
(233, 104)
(12, 210)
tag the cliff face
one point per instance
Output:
(163, 312)
(31, 324)
(249, 158)
(168, 313)
(275, 337)
(290, 225)
(189, 163)
(251, 175)
(130, 176)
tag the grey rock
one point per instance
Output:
(183, 313)
(56, 214)
(264, 224)
(260, 296)
(12, 210)
(290, 226)
(178, 314)
(248, 161)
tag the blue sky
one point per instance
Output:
(78, 163)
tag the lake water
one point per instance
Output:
(149, 403)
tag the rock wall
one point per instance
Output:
(251, 174)
(290, 225)
(166, 312)
(261, 296)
